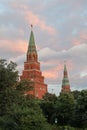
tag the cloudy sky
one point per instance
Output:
(60, 30)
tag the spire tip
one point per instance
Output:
(65, 61)
(31, 26)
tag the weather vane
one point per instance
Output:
(64, 61)
(31, 26)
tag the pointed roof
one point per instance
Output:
(65, 69)
(65, 78)
(31, 46)
(65, 81)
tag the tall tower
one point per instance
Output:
(32, 71)
(65, 81)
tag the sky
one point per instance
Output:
(60, 31)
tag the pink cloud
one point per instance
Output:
(32, 18)
(76, 41)
(35, 20)
(14, 46)
(82, 37)
(52, 73)
(57, 71)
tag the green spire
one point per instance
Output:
(31, 46)
(65, 78)
(65, 69)
(65, 81)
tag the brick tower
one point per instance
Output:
(32, 71)
(65, 81)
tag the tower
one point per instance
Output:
(65, 81)
(32, 71)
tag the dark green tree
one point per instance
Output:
(8, 80)
(64, 108)
(48, 107)
(50, 97)
(17, 111)
(75, 93)
(8, 74)
(79, 118)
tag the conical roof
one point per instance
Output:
(65, 69)
(65, 78)
(65, 81)
(31, 46)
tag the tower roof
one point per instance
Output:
(65, 81)
(65, 69)
(65, 78)
(31, 46)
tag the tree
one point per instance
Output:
(79, 118)
(25, 114)
(8, 80)
(50, 97)
(8, 74)
(75, 93)
(64, 108)
(48, 107)
(17, 111)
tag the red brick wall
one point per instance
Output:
(32, 72)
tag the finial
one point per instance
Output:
(65, 61)
(31, 26)
(65, 65)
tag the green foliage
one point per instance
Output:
(24, 86)
(64, 108)
(17, 111)
(79, 118)
(48, 107)
(75, 93)
(8, 80)
(21, 112)
(23, 116)
(50, 97)
(8, 74)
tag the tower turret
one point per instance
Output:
(65, 81)
(32, 52)
(32, 71)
